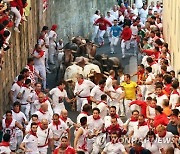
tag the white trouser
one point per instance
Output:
(59, 107)
(26, 109)
(109, 34)
(80, 103)
(125, 45)
(52, 52)
(19, 137)
(13, 143)
(143, 90)
(101, 36)
(121, 106)
(43, 150)
(134, 44)
(94, 105)
(46, 57)
(41, 69)
(17, 14)
(114, 41)
(143, 20)
(95, 32)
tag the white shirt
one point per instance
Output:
(25, 94)
(94, 18)
(58, 131)
(19, 117)
(134, 30)
(150, 88)
(44, 136)
(39, 61)
(5, 149)
(31, 143)
(156, 69)
(159, 10)
(116, 148)
(121, 19)
(94, 124)
(115, 14)
(143, 13)
(173, 100)
(140, 132)
(103, 109)
(135, 11)
(108, 86)
(80, 116)
(84, 88)
(152, 112)
(53, 34)
(107, 121)
(56, 93)
(160, 99)
(153, 147)
(11, 129)
(164, 142)
(139, 4)
(131, 125)
(110, 19)
(37, 106)
(96, 93)
(15, 88)
(44, 116)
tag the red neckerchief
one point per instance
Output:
(30, 67)
(86, 113)
(114, 141)
(81, 81)
(114, 127)
(19, 83)
(142, 124)
(32, 133)
(63, 119)
(96, 118)
(161, 94)
(116, 87)
(152, 63)
(139, 150)
(60, 89)
(101, 88)
(4, 144)
(44, 100)
(112, 77)
(103, 102)
(114, 116)
(56, 124)
(40, 125)
(40, 110)
(37, 92)
(133, 119)
(157, 6)
(175, 92)
(17, 111)
(24, 85)
(8, 122)
(163, 135)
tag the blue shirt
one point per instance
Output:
(115, 31)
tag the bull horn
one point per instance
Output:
(82, 45)
(116, 66)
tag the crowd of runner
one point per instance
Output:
(117, 115)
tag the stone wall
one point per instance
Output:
(73, 16)
(22, 44)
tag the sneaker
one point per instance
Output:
(16, 29)
(123, 56)
(112, 52)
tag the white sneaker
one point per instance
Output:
(123, 56)
(16, 29)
